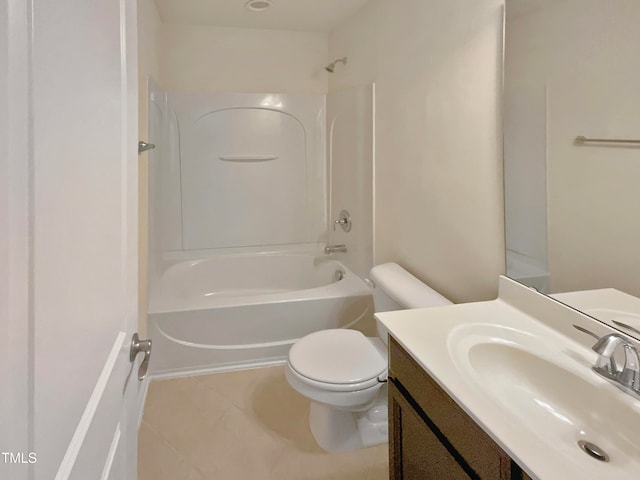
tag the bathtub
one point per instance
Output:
(233, 311)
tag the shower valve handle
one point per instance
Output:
(344, 220)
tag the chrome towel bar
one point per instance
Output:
(582, 140)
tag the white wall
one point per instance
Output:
(588, 61)
(226, 59)
(439, 196)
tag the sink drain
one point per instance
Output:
(593, 450)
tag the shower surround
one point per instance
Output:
(238, 221)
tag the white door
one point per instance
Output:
(68, 178)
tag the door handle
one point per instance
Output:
(138, 346)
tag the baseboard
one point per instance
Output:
(192, 372)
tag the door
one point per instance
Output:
(416, 453)
(69, 199)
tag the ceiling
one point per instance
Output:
(306, 15)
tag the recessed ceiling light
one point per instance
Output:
(258, 5)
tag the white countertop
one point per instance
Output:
(440, 338)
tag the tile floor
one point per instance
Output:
(245, 425)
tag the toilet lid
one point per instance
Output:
(336, 356)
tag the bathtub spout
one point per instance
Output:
(329, 249)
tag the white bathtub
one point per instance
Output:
(239, 310)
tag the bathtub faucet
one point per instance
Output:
(329, 249)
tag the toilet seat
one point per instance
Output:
(338, 360)
(336, 387)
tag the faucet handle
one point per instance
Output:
(605, 348)
(340, 221)
(630, 375)
(344, 220)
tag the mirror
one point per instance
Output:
(572, 69)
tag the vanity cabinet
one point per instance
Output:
(431, 437)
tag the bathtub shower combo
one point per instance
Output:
(239, 213)
(241, 309)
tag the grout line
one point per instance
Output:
(166, 443)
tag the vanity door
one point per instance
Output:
(431, 437)
(417, 452)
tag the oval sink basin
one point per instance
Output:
(550, 390)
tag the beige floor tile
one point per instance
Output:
(378, 463)
(245, 425)
(378, 473)
(194, 474)
(183, 410)
(237, 448)
(235, 385)
(378, 454)
(156, 459)
(322, 466)
(281, 411)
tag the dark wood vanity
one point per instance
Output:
(431, 437)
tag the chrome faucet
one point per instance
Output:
(627, 376)
(329, 249)
(630, 375)
(606, 347)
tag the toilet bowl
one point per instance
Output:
(344, 373)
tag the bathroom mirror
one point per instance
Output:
(572, 207)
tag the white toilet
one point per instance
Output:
(344, 373)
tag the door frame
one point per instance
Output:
(16, 243)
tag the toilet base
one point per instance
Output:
(339, 431)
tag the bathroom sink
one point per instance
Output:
(549, 390)
(521, 371)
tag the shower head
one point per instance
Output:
(332, 66)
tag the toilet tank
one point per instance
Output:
(396, 289)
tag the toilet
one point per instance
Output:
(344, 373)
